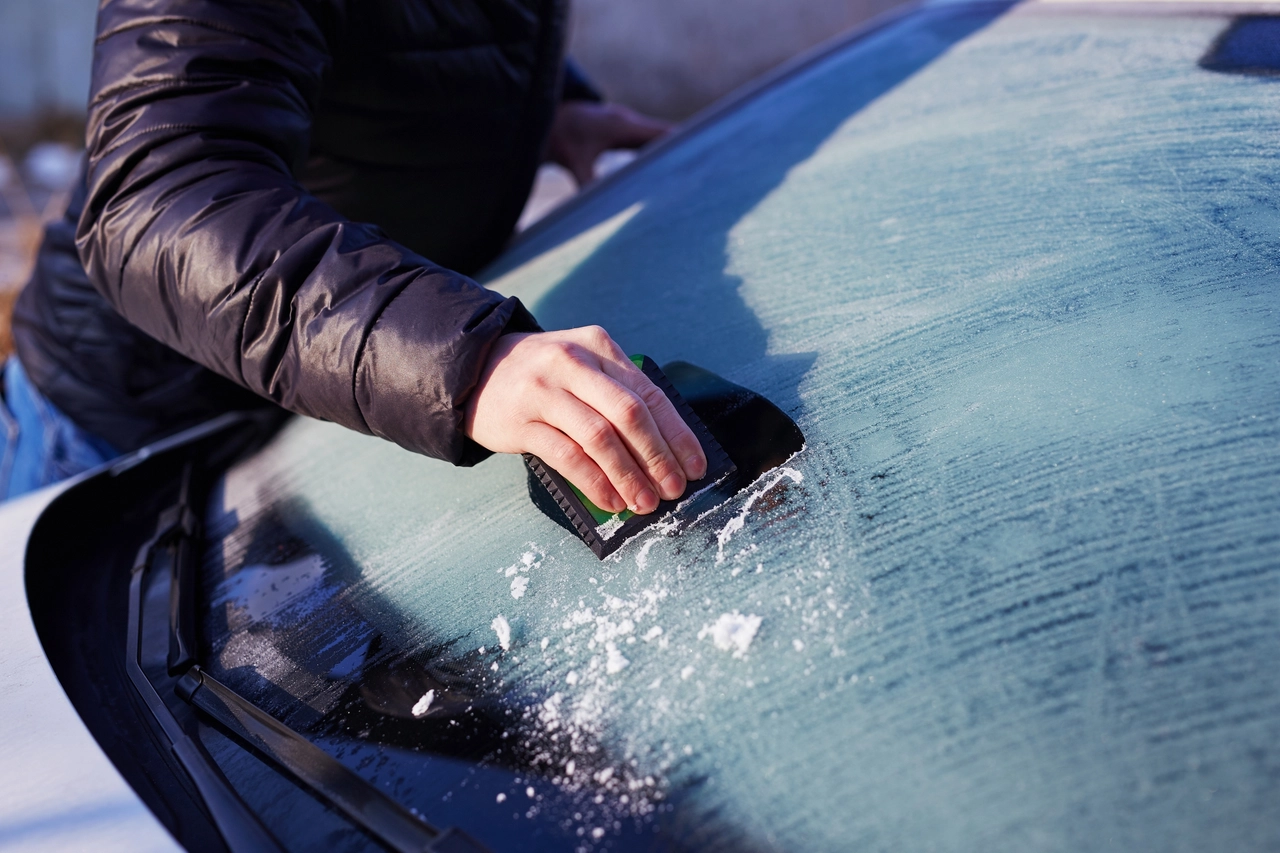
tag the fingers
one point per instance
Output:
(581, 131)
(646, 421)
(683, 446)
(598, 435)
(567, 457)
(630, 129)
(575, 399)
(646, 425)
(582, 165)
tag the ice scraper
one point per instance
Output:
(741, 432)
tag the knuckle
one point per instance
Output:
(598, 339)
(564, 453)
(631, 412)
(630, 482)
(597, 432)
(662, 457)
(686, 445)
(660, 465)
(653, 397)
(595, 483)
(564, 349)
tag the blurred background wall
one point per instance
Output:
(45, 49)
(670, 58)
(666, 57)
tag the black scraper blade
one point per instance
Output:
(602, 531)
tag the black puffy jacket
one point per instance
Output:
(236, 151)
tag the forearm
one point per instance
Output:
(196, 231)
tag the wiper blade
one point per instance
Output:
(183, 527)
(344, 789)
(240, 828)
(365, 805)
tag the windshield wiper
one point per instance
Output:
(345, 790)
(383, 818)
(240, 828)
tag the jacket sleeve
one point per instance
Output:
(196, 231)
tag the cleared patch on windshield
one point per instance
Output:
(439, 720)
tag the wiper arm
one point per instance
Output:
(365, 805)
(183, 527)
(344, 789)
(240, 828)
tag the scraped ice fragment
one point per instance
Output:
(502, 798)
(605, 531)
(546, 641)
(597, 833)
(604, 775)
(570, 766)
(732, 632)
(528, 560)
(615, 662)
(518, 586)
(686, 672)
(798, 645)
(502, 628)
(423, 705)
(653, 633)
(572, 678)
(529, 792)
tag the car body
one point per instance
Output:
(60, 790)
(1011, 269)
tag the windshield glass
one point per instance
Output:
(1014, 276)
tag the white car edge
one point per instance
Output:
(58, 790)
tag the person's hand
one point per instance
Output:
(583, 130)
(575, 400)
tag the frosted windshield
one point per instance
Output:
(1016, 279)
